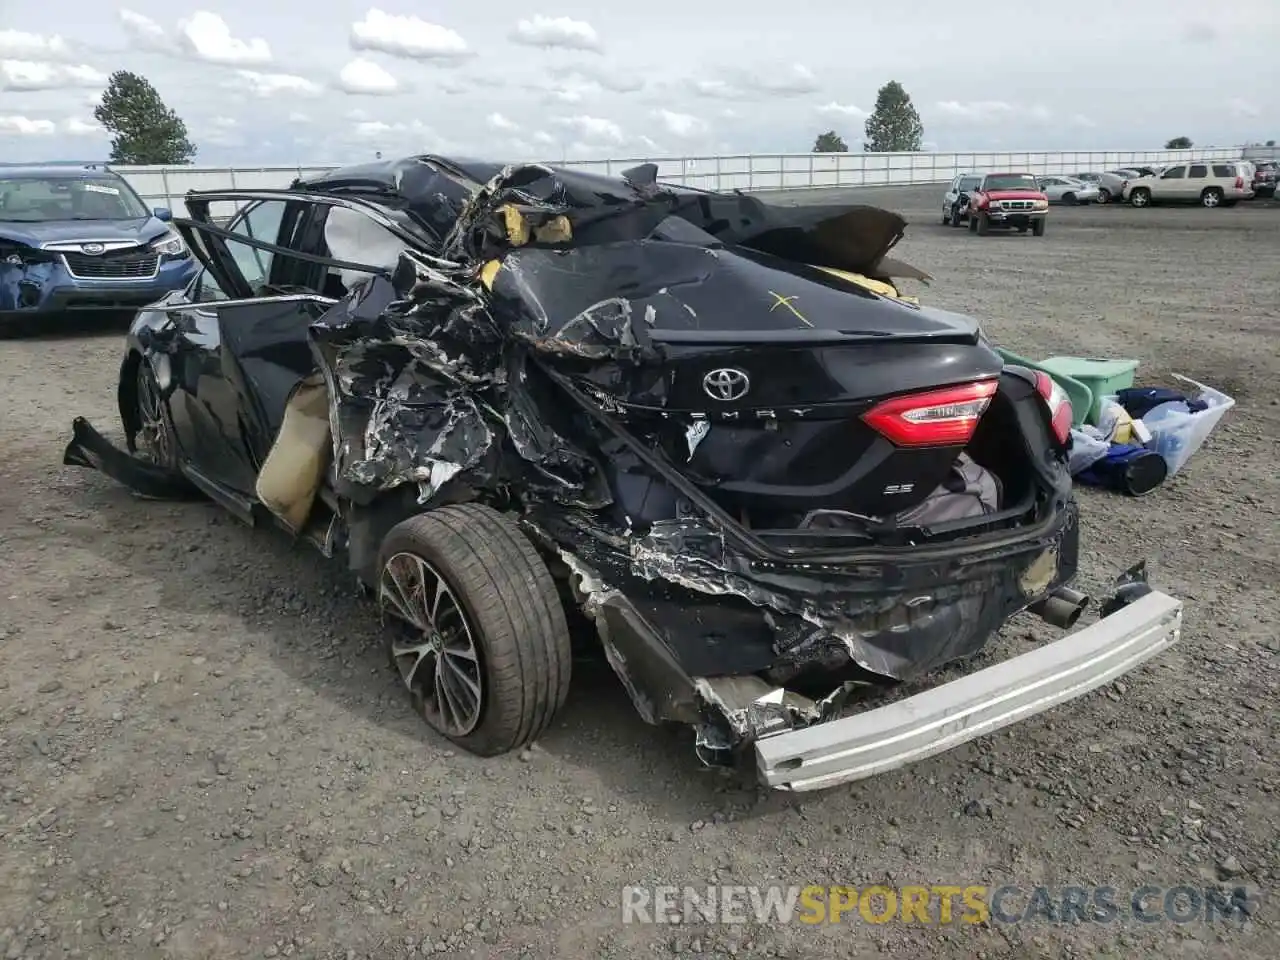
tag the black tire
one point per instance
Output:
(513, 612)
(1037, 228)
(946, 217)
(973, 223)
(156, 440)
(984, 224)
(1068, 197)
(1140, 197)
(1104, 195)
(1211, 197)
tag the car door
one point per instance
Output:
(216, 426)
(273, 264)
(1170, 185)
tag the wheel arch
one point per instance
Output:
(127, 395)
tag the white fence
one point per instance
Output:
(166, 186)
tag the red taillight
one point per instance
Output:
(935, 418)
(1239, 183)
(1123, 184)
(1059, 404)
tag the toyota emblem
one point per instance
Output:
(726, 383)
(92, 248)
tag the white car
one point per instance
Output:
(1210, 183)
(1068, 190)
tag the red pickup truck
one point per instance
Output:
(1008, 200)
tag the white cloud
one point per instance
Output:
(362, 76)
(543, 138)
(26, 127)
(1243, 109)
(593, 128)
(795, 79)
(76, 127)
(274, 84)
(32, 46)
(403, 36)
(680, 124)
(207, 36)
(297, 117)
(841, 110)
(607, 77)
(415, 131)
(498, 122)
(978, 111)
(1039, 113)
(572, 91)
(718, 90)
(144, 32)
(789, 81)
(564, 32)
(33, 75)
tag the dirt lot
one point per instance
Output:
(204, 754)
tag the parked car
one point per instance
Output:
(1208, 183)
(1111, 184)
(955, 202)
(78, 238)
(1068, 190)
(1264, 178)
(512, 397)
(1008, 200)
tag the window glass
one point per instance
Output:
(207, 289)
(1222, 170)
(261, 222)
(1199, 170)
(1175, 173)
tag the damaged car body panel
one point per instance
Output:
(766, 476)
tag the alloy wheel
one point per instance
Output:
(438, 659)
(153, 440)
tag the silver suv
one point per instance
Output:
(955, 202)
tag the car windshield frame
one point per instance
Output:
(1011, 181)
(88, 197)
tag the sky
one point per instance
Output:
(261, 82)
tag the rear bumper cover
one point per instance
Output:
(939, 719)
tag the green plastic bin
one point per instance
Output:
(1103, 377)
(1081, 396)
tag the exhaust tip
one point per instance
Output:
(1062, 608)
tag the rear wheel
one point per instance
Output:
(1068, 198)
(480, 638)
(1211, 197)
(1140, 197)
(1104, 195)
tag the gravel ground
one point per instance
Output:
(204, 754)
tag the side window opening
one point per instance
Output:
(1199, 170)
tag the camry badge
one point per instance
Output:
(726, 383)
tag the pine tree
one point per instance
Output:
(143, 130)
(894, 126)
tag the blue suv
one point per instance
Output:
(79, 238)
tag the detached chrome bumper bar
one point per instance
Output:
(884, 738)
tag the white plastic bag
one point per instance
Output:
(1176, 433)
